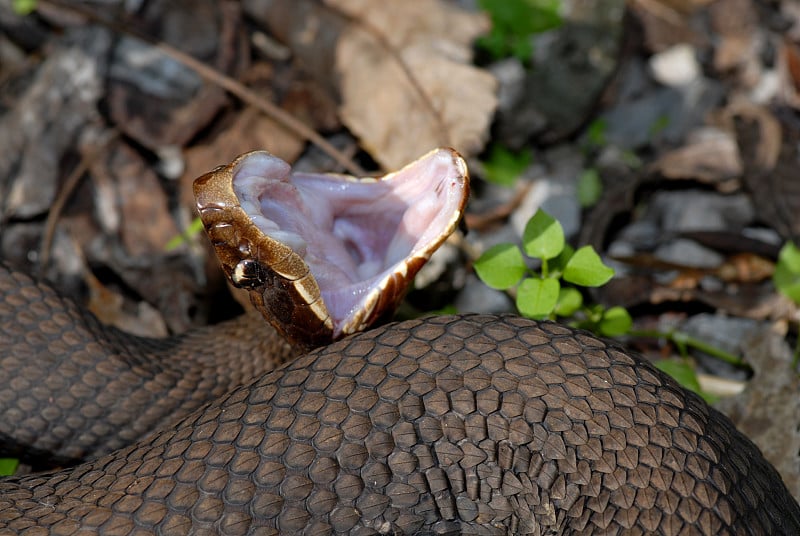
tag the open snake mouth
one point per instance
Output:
(361, 240)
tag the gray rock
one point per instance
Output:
(686, 252)
(695, 210)
(638, 123)
(476, 297)
(723, 332)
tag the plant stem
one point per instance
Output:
(682, 339)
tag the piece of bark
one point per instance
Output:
(47, 119)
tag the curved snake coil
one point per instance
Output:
(450, 425)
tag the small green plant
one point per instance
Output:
(514, 22)
(787, 272)
(659, 125)
(503, 166)
(683, 372)
(786, 279)
(8, 466)
(193, 230)
(541, 294)
(596, 133)
(683, 369)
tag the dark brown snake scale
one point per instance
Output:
(72, 388)
(449, 425)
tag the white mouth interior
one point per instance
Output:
(352, 233)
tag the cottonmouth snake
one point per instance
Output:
(472, 424)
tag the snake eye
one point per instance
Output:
(248, 274)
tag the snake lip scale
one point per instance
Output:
(464, 424)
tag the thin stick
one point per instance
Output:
(72, 182)
(229, 84)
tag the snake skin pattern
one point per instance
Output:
(450, 425)
(71, 388)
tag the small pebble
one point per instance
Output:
(676, 66)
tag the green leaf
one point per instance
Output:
(8, 466)
(789, 256)
(523, 17)
(543, 237)
(586, 269)
(559, 263)
(195, 227)
(536, 298)
(659, 125)
(569, 301)
(616, 321)
(631, 159)
(520, 48)
(590, 187)
(596, 132)
(446, 310)
(788, 283)
(504, 167)
(515, 21)
(23, 7)
(501, 266)
(683, 373)
(786, 277)
(494, 43)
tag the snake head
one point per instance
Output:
(326, 255)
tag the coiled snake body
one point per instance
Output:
(461, 424)
(471, 424)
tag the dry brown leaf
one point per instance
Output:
(735, 23)
(382, 105)
(129, 191)
(674, 7)
(789, 69)
(109, 306)
(710, 156)
(759, 135)
(745, 268)
(664, 24)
